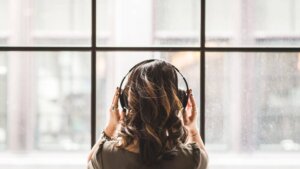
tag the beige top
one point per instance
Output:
(108, 156)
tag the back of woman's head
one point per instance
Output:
(152, 118)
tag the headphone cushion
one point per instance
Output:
(182, 95)
(123, 100)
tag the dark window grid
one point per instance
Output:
(154, 49)
(94, 49)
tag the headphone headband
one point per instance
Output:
(141, 63)
(148, 61)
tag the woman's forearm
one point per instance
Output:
(194, 137)
(110, 130)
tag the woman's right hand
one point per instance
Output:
(190, 122)
(190, 115)
(115, 116)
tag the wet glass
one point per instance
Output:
(44, 109)
(252, 102)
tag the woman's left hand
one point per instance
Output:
(114, 119)
(115, 116)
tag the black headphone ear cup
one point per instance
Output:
(183, 97)
(185, 101)
(123, 100)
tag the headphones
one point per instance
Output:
(182, 95)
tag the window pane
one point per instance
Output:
(112, 67)
(3, 94)
(253, 23)
(149, 23)
(3, 18)
(44, 22)
(4, 21)
(45, 105)
(252, 110)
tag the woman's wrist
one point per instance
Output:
(193, 131)
(110, 130)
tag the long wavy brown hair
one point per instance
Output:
(152, 119)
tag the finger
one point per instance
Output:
(189, 108)
(189, 103)
(184, 117)
(194, 111)
(192, 99)
(116, 98)
(122, 115)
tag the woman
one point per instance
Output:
(157, 130)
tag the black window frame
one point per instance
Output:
(93, 49)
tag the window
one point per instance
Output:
(252, 109)
(45, 23)
(45, 105)
(61, 60)
(251, 93)
(149, 23)
(258, 99)
(3, 88)
(4, 21)
(63, 94)
(252, 23)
